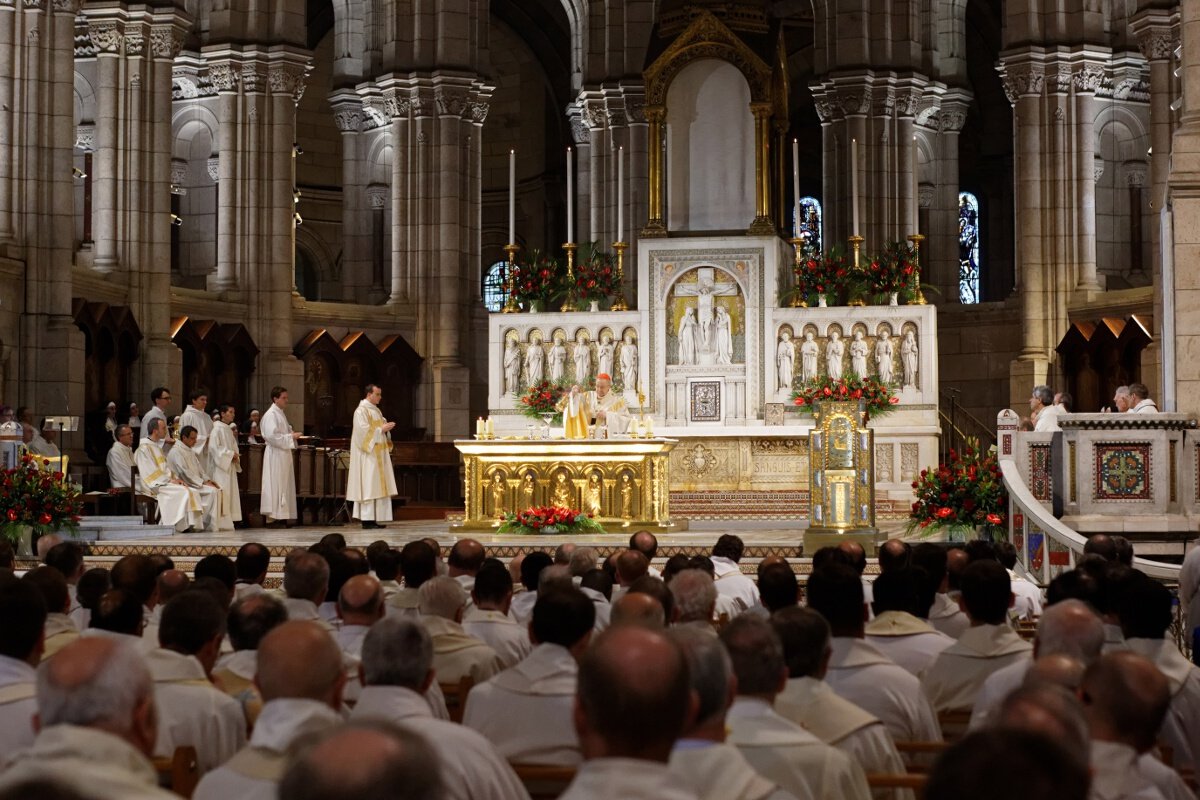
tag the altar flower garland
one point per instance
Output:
(595, 274)
(964, 494)
(33, 497)
(832, 273)
(549, 520)
(878, 396)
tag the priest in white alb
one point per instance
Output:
(196, 414)
(278, 502)
(371, 483)
(178, 505)
(224, 464)
(186, 465)
(120, 458)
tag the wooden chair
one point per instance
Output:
(919, 756)
(456, 696)
(544, 782)
(180, 773)
(954, 724)
(914, 783)
(142, 505)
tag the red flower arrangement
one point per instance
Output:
(36, 498)
(878, 396)
(825, 273)
(549, 520)
(595, 274)
(968, 492)
(537, 279)
(893, 270)
(542, 398)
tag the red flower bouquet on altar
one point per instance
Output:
(37, 499)
(542, 398)
(961, 496)
(893, 270)
(878, 397)
(825, 273)
(537, 280)
(549, 520)
(595, 274)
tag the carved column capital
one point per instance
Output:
(1087, 77)
(166, 41)
(1135, 174)
(85, 138)
(377, 195)
(213, 166)
(1023, 79)
(107, 36)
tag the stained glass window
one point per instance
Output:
(809, 224)
(493, 286)
(968, 248)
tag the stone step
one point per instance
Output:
(125, 532)
(126, 521)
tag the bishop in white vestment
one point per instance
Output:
(186, 465)
(371, 482)
(177, 504)
(224, 464)
(278, 473)
(606, 407)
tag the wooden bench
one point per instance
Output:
(456, 696)
(914, 783)
(544, 782)
(180, 772)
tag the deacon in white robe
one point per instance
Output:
(224, 464)
(186, 465)
(58, 632)
(278, 471)
(120, 459)
(946, 616)
(456, 654)
(18, 704)
(870, 680)
(178, 505)
(1181, 729)
(371, 481)
(196, 414)
(956, 675)
(193, 712)
(908, 640)
(731, 582)
(158, 412)
(499, 631)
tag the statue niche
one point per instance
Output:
(707, 320)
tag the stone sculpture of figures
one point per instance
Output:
(687, 337)
(626, 496)
(858, 355)
(629, 364)
(527, 487)
(604, 356)
(562, 490)
(498, 490)
(808, 358)
(835, 353)
(558, 360)
(908, 358)
(883, 357)
(535, 361)
(583, 358)
(785, 361)
(512, 366)
(724, 336)
(594, 489)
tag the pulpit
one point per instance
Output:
(842, 477)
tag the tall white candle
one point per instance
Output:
(620, 193)
(512, 196)
(570, 195)
(854, 183)
(916, 192)
(796, 187)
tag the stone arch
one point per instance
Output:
(707, 38)
(193, 142)
(84, 100)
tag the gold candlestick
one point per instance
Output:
(619, 304)
(569, 300)
(510, 305)
(856, 242)
(798, 300)
(918, 298)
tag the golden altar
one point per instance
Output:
(621, 483)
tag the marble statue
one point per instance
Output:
(785, 361)
(512, 367)
(809, 351)
(558, 360)
(835, 354)
(687, 337)
(629, 364)
(883, 358)
(858, 355)
(604, 355)
(724, 336)
(535, 361)
(908, 359)
(583, 358)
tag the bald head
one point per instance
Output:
(631, 565)
(361, 600)
(645, 543)
(562, 553)
(1070, 628)
(46, 543)
(633, 698)
(514, 567)
(172, 582)
(1125, 699)
(1056, 670)
(894, 555)
(770, 561)
(466, 557)
(300, 660)
(637, 608)
(956, 562)
(364, 761)
(1050, 710)
(858, 556)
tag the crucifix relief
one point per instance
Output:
(714, 332)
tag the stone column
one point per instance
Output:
(581, 137)
(656, 225)
(377, 196)
(107, 36)
(357, 266)
(8, 74)
(939, 261)
(762, 224)
(1087, 78)
(224, 73)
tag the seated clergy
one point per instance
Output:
(944, 614)
(187, 467)
(898, 630)
(702, 759)
(97, 718)
(526, 711)
(488, 618)
(531, 573)
(43, 442)
(418, 563)
(360, 605)
(456, 655)
(250, 569)
(365, 761)
(178, 505)
(695, 597)
(250, 619)
(780, 750)
(120, 459)
(397, 669)
(24, 613)
(300, 677)
(956, 675)
(306, 583)
(809, 702)
(858, 672)
(726, 554)
(59, 630)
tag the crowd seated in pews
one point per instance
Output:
(386, 674)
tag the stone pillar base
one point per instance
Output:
(450, 417)
(1023, 375)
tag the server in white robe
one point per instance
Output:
(196, 414)
(224, 464)
(120, 459)
(278, 501)
(186, 465)
(160, 398)
(371, 482)
(177, 504)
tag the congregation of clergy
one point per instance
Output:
(689, 679)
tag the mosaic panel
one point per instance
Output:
(1041, 477)
(1122, 471)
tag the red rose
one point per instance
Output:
(944, 512)
(994, 519)
(44, 519)
(12, 515)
